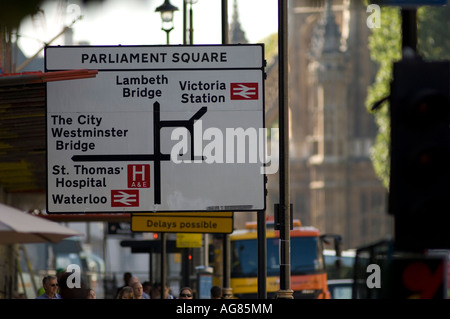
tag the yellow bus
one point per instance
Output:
(308, 272)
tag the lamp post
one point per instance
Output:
(191, 21)
(167, 10)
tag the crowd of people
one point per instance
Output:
(55, 287)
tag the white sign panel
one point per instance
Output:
(160, 128)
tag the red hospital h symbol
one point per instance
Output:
(139, 176)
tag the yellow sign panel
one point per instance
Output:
(167, 223)
(189, 240)
(188, 214)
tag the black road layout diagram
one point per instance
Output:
(157, 157)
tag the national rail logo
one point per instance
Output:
(243, 91)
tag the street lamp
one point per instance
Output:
(167, 10)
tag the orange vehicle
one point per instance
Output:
(308, 273)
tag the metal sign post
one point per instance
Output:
(285, 291)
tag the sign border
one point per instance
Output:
(178, 218)
(226, 208)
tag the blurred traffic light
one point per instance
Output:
(419, 192)
(418, 278)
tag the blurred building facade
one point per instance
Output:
(333, 185)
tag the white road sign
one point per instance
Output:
(160, 128)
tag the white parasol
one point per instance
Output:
(19, 227)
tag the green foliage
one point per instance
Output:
(270, 46)
(433, 29)
(385, 48)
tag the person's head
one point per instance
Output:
(159, 290)
(91, 294)
(126, 277)
(216, 292)
(132, 280)
(67, 291)
(155, 291)
(137, 289)
(166, 292)
(126, 293)
(50, 284)
(186, 293)
(147, 286)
